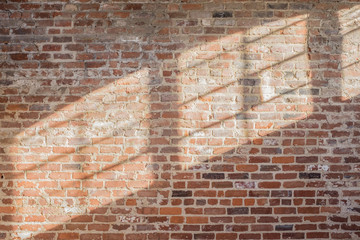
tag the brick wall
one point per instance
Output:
(179, 119)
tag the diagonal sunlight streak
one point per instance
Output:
(137, 76)
(128, 80)
(58, 120)
(124, 152)
(236, 81)
(349, 30)
(189, 62)
(186, 65)
(183, 59)
(93, 141)
(115, 166)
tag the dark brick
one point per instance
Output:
(62, 39)
(238, 175)
(39, 107)
(204, 236)
(248, 82)
(181, 193)
(266, 168)
(246, 116)
(352, 160)
(304, 175)
(296, 235)
(224, 14)
(312, 91)
(237, 211)
(356, 210)
(278, 6)
(200, 202)
(350, 227)
(284, 227)
(281, 193)
(213, 175)
(338, 219)
(22, 31)
(5, 82)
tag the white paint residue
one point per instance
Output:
(245, 185)
(128, 219)
(204, 150)
(24, 235)
(199, 134)
(318, 168)
(103, 124)
(73, 210)
(268, 91)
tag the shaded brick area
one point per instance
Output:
(179, 120)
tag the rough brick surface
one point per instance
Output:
(179, 119)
